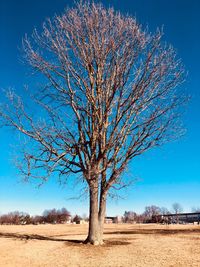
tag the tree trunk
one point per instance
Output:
(93, 233)
(101, 216)
(96, 218)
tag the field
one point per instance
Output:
(125, 245)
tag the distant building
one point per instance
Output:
(109, 219)
(116, 219)
(81, 222)
(193, 217)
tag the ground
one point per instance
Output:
(125, 245)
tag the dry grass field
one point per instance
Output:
(125, 245)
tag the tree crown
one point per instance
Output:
(110, 94)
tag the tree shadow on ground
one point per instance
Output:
(37, 237)
(153, 232)
(108, 242)
(26, 237)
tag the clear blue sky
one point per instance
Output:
(166, 175)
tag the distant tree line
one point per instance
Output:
(15, 217)
(56, 216)
(152, 214)
(48, 216)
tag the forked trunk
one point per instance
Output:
(96, 218)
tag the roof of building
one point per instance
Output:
(182, 214)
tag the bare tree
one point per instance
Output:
(76, 219)
(164, 211)
(177, 208)
(37, 219)
(110, 93)
(56, 216)
(130, 216)
(15, 217)
(151, 213)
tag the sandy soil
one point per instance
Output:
(125, 245)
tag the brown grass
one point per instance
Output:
(125, 245)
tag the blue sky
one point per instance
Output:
(166, 175)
